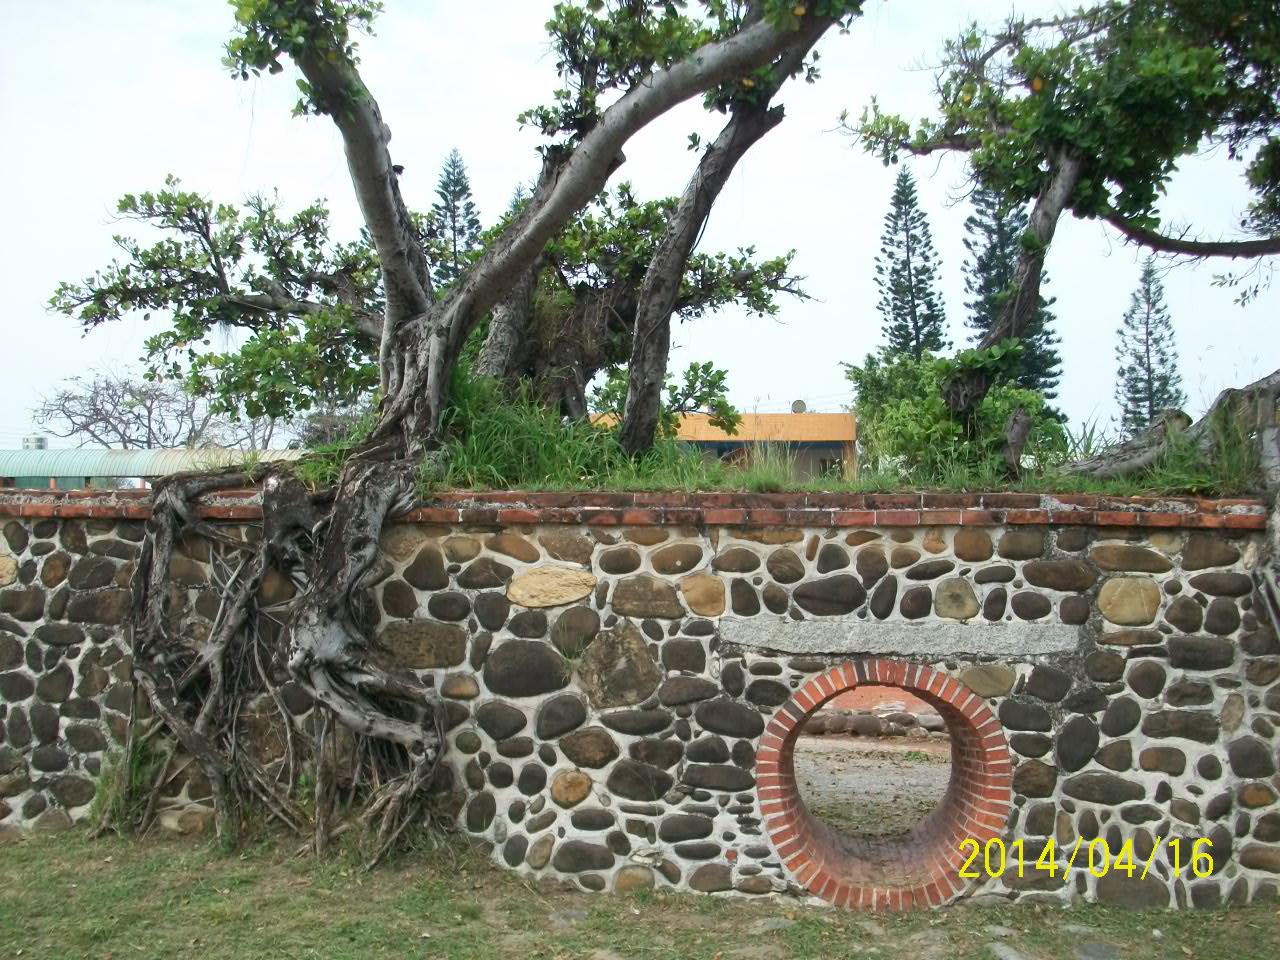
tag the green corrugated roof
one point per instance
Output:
(96, 462)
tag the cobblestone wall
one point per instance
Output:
(624, 687)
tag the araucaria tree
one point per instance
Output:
(995, 231)
(456, 221)
(1147, 379)
(906, 273)
(623, 64)
(1089, 113)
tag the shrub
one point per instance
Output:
(904, 426)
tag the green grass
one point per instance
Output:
(66, 896)
(495, 442)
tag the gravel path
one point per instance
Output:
(873, 788)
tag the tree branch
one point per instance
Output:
(1163, 243)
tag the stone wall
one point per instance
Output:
(625, 676)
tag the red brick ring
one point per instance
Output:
(924, 869)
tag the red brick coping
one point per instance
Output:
(717, 509)
(923, 870)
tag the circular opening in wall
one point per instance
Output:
(912, 859)
(872, 763)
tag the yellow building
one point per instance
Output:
(816, 444)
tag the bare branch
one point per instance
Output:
(1163, 243)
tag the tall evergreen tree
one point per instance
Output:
(906, 271)
(994, 232)
(1147, 380)
(456, 219)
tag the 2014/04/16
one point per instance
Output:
(996, 860)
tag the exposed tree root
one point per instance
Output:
(199, 689)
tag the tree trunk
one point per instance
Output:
(651, 341)
(964, 393)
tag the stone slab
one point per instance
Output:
(841, 635)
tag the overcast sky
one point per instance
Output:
(103, 98)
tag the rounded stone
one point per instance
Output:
(1021, 545)
(500, 720)
(590, 747)
(1020, 715)
(743, 599)
(16, 687)
(1250, 757)
(460, 686)
(972, 545)
(785, 566)
(620, 560)
(424, 644)
(831, 557)
(1048, 683)
(618, 670)
(53, 570)
(550, 586)
(775, 598)
(459, 549)
(704, 593)
(678, 690)
(736, 560)
(427, 570)
(1074, 610)
(646, 596)
(1129, 601)
(525, 668)
(515, 546)
(711, 878)
(638, 781)
(1223, 584)
(1030, 744)
(1147, 679)
(633, 878)
(830, 596)
(1199, 725)
(988, 680)
(1129, 558)
(575, 856)
(399, 599)
(768, 693)
(530, 624)
(903, 557)
(1168, 760)
(1104, 666)
(1103, 788)
(449, 605)
(567, 545)
(480, 812)
(570, 787)
(883, 597)
(871, 565)
(1077, 741)
(1116, 755)
(1028, 605)
(1222, 617)
(1207, 550)
(930, 570)
(1034, 778)
(730, 718)
(1121, 716)
(994, 604)
(1068, 576)
(916, 603)
(658, 753)
(492, 609)
(1201, 653)
(677, 558)
(998, 573)
(73, 791)
(687, 655)
(1185, 614)
(954, 599)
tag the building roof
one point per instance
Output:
(98, 462)
(773, 428)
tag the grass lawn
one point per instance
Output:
(68, 896)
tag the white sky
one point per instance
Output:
(103, 98)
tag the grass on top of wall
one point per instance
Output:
(495, 442)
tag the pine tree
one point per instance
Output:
(906, 270)
(456, 220)
(1147, 381)
(995, 231)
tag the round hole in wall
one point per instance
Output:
(919, 866)
(872, 763)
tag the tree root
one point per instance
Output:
(198, 691)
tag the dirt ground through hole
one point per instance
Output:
(873, 788)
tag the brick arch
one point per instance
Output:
(922, 870)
